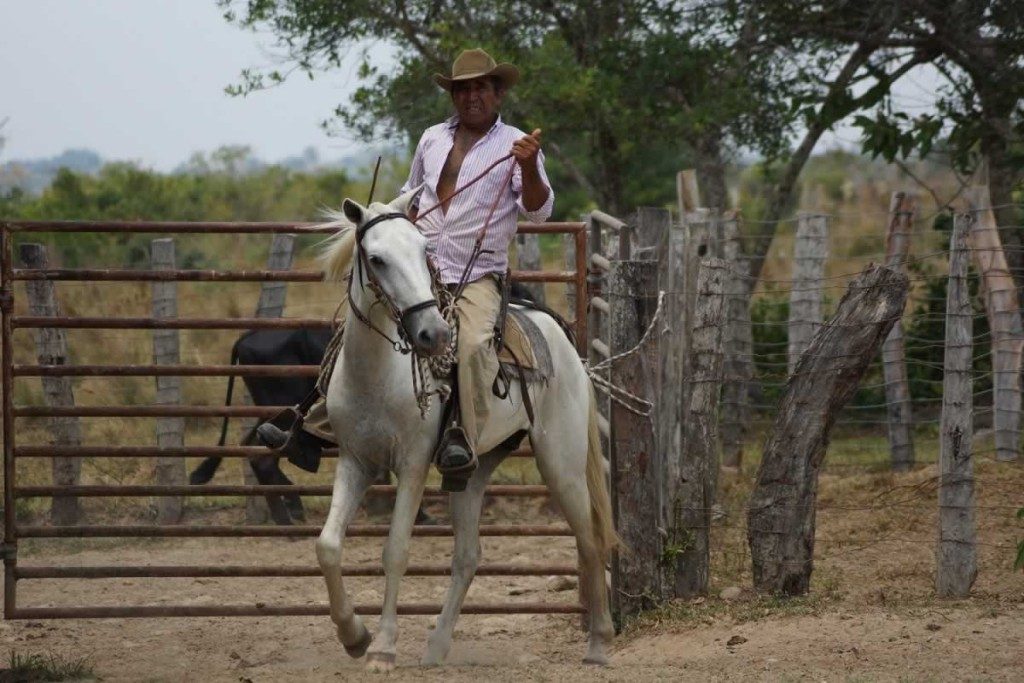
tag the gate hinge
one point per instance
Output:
(6, 300)
(8, 551)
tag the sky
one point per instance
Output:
(144, 80)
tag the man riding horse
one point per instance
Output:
(468, 141)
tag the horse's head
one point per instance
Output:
(391, 257)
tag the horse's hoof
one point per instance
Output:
(596, 659)
(359, 649)
(380, 662)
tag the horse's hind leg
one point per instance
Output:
(350, 483)
(411, 478)
(465, 513)
(561, 456)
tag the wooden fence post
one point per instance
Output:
(810, 251)
(956, 564)
(636, 573)
(170, 431)
(738, 345)
(270, 305)
(52, 348)
(688, 542)
(1003, 309)
(894, 360)
(781, 511)
(528, 258)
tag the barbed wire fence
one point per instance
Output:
(943, 388)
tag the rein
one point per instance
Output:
(443, 298)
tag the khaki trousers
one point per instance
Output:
(477, 311)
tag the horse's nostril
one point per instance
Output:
(424, 337)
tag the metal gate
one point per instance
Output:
(13, 453)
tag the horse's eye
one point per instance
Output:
(377, 261)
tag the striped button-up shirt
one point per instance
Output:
(452, 234)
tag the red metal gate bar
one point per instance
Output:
(518, 490)
(220, 227)
(167, 323)
(166, 370)
(260, 610)
(83, 323)
(147, 411)
(133, 275)
(227, 228)
(11, 491)
(582, 297)
(225, 531)
(186, 452)
(296, 571)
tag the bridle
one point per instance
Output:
(399, 316)
(368, 279)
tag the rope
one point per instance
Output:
(617, 393)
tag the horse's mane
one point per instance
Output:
(335, 253)
(337, 250)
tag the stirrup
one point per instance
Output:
(454, 479)
(289, 420)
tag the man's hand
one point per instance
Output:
(525, 149)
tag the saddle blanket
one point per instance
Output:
(525, 342)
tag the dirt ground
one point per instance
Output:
(871, 614)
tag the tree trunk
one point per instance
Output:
(711, 170)
(1003, 174)
(781, 515)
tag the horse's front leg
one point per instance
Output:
(350, 482)
(411, 478)
(465, 512)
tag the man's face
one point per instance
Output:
(477, 101)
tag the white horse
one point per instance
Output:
(371, 401)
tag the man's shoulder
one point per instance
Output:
(509, 131)
(432, 133)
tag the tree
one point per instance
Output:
(977, 47)
(627, 92)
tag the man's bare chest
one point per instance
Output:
(456, 156)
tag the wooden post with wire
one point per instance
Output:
(894, 359)
(737, 344)
(170, 431)
(636, 572)
(1003, 309)
(692, 490)
(810, 251)
(52, 349)
(270, 305)
(956, 562)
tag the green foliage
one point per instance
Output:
(627, 93)
(47, 667)
(214, 190)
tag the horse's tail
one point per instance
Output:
(336, 251)
(601, 517)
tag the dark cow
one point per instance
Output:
(304, 346)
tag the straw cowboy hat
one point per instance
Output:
(475, 64)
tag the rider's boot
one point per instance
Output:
(455, 459)
(284, 434)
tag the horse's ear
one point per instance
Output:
(403, 202)
(353, 211)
